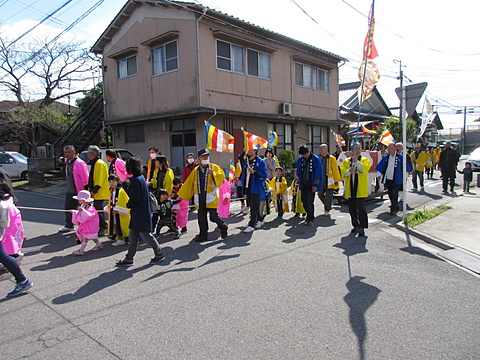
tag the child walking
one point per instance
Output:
(165, 213)
(295, 192)
(467, 176)
(118, 214)
(179, 209)
(279, 186)
(86, 217)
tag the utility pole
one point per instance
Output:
(403, 120)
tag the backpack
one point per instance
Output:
(153, 202)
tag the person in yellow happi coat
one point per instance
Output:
(418, 159)
(203, 183)
(331, 178)
(118, 213)
(437, 151)
(355, 174)
(296, 194)
(279, 195)
(430, 162)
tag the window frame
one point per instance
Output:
(125, 61)
(258, 53)
(231, 59)
(314, 82)
(165, 60)
(137, 136)
(282, 136)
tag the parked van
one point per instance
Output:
(123, 154)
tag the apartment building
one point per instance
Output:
(168, 66)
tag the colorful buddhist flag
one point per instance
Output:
(338, 138)
(218, 140)
(252, 141)
(368, 72)
(367, 131)
(273, 138)
(385, 137)
(231, 172)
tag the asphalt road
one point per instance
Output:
(283, 292)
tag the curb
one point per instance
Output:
(422, 236)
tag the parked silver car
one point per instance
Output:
(14, 164)
(474, 159)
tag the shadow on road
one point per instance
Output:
(101, 282)
(361, 296)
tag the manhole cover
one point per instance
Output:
(462, 258)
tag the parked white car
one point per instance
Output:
(14, 164)
(474, 159)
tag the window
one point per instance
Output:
(317, 135)
(284, 133)
(310, 77)
(230, 57)
(258, 64)
(165, 58)
(134, 133)
(127, 67)
(320, 79)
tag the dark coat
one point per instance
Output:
(139, 205)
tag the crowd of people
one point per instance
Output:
(129, 203)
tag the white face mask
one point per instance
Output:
(190, 161)
(206, 162)
(153, 156)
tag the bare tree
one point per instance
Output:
(13, 70)
(52, 64)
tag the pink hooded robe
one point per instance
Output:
(224, 195)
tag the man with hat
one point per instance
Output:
(202, 184)
(447, 165)
(418, 159)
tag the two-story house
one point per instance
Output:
(168, 66)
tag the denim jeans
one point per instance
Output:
(10, 263)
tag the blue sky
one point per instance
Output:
(436, 43)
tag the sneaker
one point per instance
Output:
(354, 230)
(157, 259)
(78, 252)
(65, 229)
(177, 236)
(259, 224)
(308, 223)
(118, 243)
(97, 247)
(326, 213)
(184, 230)
(20, 288)
(361, 232)
(124, 262)
(249, 229)
(422, 188)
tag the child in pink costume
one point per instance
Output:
(224, 196)
(86, 218)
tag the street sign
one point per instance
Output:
(413, 94)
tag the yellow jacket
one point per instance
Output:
(333, 175)
(167, 180)
(279, 188)
(122, 200)
(430, 159)
(363, 182)
(437, 152)
(419, 163)
(100, 179)
(190, 187)
(296, 194)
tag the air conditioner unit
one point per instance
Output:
(286, 109)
